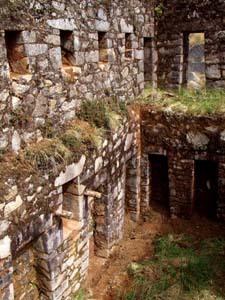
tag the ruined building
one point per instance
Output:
(55, 54)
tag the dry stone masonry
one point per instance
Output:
(54, 55)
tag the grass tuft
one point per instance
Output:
(80, 295)
(47, 153)
(103, 114)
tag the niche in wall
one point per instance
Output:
(72, 202)
(103, 47)
(67, 48)
(128, 45)
(67, 51)
(16, 55)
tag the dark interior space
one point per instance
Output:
(206, 187)
(159, 181)
(102, 42)
(128, 45)
(67, 48)
(17, 58)
(148, 60)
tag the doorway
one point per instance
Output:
(206, 187)
(159, 180)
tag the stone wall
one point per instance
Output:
(184, 139)
(175, 20)
(54, 55)
(56, 220)
(25, 277)
(56, 47)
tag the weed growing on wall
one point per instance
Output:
(60, 146)
(159, 10)
(103, 114)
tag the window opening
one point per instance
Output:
(194, 60)
(128, 45)
(103, 49)
(148, 60)
(16, 55)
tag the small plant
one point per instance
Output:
(48, 129)
(80, 134)
(47, 153)
(102, 114)
(80, 295)
(159, 10)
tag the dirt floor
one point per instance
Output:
(107, 277)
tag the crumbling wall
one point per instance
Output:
(177, 18)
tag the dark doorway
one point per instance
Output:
(159, 182)
(206, 187)
(148, 60)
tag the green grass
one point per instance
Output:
(103, 114)
(204, 102)
(181, 269)
(80, 295)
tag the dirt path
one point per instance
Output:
(106, 277)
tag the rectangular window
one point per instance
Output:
(148, 60)
(67, 48)
(17, 58)
(194, 60)
(128, 45)
(103, 49)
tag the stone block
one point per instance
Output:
(71, 172)
(98, 164)
(213, 72)
(55, 57)
(138, 54)
(16, 141)
(29, 37)
(63, 24)
(102, 25)
(20, 89)
(52, 39)
(92, 56)
(125, 27)
(36, 49)
(5, 247)
(198, 140)
(3, 141)
(12, 206)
